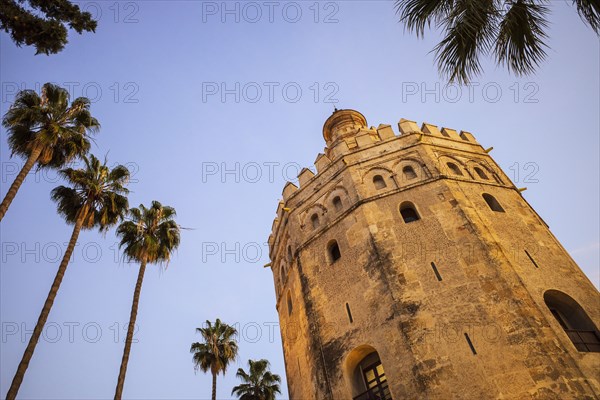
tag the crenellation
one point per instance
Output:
(430, 129)
(271, 241)
(364, 139)
(274, 227)
(385, 132)
(280, 205)
(407, 126)
(468, 136)
(340, 149)
(372, 131)
(288, 190)
(351, 142)
(321, 162)
(305, 176)
(451, 133)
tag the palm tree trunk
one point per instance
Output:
(18, 379)
(130, 328)
(214, 387)
(12, 192)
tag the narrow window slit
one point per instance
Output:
(531, 259)
(470, 343)
(436, 272)
(289, 304)
(349, 313)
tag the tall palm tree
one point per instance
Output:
(217, 350)
(97, 199)
(513, 30)
(150, 236)
(46, 131)
(259, 383)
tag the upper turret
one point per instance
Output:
(341, 124)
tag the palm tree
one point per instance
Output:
(259, 384)
(149, 237)
(514, 30)
(97, 199)
(217, 350)
(46, 131)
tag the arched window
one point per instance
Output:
(492, 203)
(289, 303)
(454, 169)
(409, 173)
(289, 253)
(314, 220)
(334, 251)
(379, 182)
(574, 320)
(337, 203)
(409, 212)
(481, 174)
(367, 375)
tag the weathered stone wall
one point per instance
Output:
(490, 289)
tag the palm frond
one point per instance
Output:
(520, 43)
(47, 121)
(150, 233)
(416, 14)
(259, 383)
(514, 31)
(470, 31)
(101, 190)
(69, 202)
(589, 11)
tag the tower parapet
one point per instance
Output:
(346, 135)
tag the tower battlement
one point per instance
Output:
(348, 140)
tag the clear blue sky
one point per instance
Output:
(153, 69)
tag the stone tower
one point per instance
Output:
(411, 267)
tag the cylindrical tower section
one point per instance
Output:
(342, 123)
